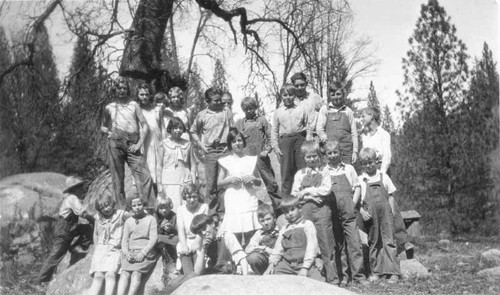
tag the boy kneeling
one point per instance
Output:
(297, 245)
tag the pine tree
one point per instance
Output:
(386, 120)
(219, 79)
(372, 97)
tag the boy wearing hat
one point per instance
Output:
(67, 228)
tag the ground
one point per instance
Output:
(453, 269)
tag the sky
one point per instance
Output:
(388, 23)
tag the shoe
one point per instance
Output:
(374, 278)
(363, 282)
(335, 282)
(393, 279)
(344, 283)
(409, 250)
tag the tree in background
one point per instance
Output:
(435, 76)
(219, 79)
(372, 97)
(386, 120)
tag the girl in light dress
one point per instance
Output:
(108, 231)
(238, 175)
(175, 166)
(153, 137)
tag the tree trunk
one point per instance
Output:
(142, 55)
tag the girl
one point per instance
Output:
(167, 234)
(138, 252)
(238, 175)
(175, 167)
(176, 109)
(108, 231)
(188, 241)
(153, 137)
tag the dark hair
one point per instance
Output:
(248, 102)
(337, 85)
(102, 200)
(136, 196)
(298, 76)
(288, 88)
(289, 202)
(160, 95)
(264, 209)
(231, 136)
(211, 92)
(175, 122)
(374, 112)
(199, 222)
(120, 80)
(190, 188)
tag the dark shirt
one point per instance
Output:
(257, 134)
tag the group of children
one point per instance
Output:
(230, 225)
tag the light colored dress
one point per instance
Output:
(107, 246)
(176, 169)
(152, 140)
(240, 201)
(184, 219)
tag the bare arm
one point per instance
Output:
(275, 133)
(321, 123)
(106, 122)
(159, 165)
(223, 181)
(182, 236)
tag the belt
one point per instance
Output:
(302, 133)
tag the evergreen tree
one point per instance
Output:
(372, 97)
(219, 79)
(386, 120)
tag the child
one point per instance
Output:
(175, 167)
(138, 248)
(344, 183)
(126, 129)
(167, 233)
(377, 212)
(312, 186)
(209, 131)
(67, 228)
(257, 132)
(108, 230)
(153, 137)
(296, 246)
(376, 138)
(289, 130)
(227, 100)
(238, 175)
(188, 241)
(262, 243)
(160, 100)
(176, 109)
(336, 122)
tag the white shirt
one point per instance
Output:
(386, 182)
(380, 141)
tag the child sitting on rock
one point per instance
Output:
(167, 233)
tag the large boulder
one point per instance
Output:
(491, 257)
(493, 273)
(30, 195)
(74, 279)
(413, 268)
(258, 285)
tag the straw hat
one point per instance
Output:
(73, 182)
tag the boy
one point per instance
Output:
(376, 211)
(311, 102)
(312, 186)
(262, 243)
(209, 131)
(289, 130)
(257, 134)
(227, 100)
(67, 228)
(344, 182)
(296, 246)
(166, 219)
(336, 122)
(126, 128)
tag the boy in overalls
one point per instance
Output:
(377, 213)
(312, 186)
(345, 187)
(336, 122)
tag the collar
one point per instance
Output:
(250, 120)
(340, 166)
(273, 231)
(296, 221)
(290, 107)
(332, 107)
(214, 112)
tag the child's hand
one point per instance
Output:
(248, 179)
(264, 154)
(233, 180)
(354, 157)
(366, 216)
(139, 257)
(302, 272)
(269, 270)
(309, 137)
(316, 200)
(130, 257)
(134, 148)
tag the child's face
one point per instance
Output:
(292, 214)
(312, 159)
(107, 209)
(209, 231)
(176, 100)
(164, 210)
(336, 97)
(333, 156)
(177, 132)
(369, 165)
(227, 101)
(215, 103)
(250, 112)
(137, 206)
(159, 101)
(366, 118)
(288, 99)
(191, 199)
(300, 85)
(268, 222)
(122, 90)
(237, 144)
(143, 96)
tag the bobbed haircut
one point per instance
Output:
(119, 81)
(374, 112)
(175, 122)
(367, 153)
(190, 188)
(298, 76)
(176, 90)
(231, 136)
(163, 201)
(160, 96)
(103, 200)
(337, 85)
(289, 89)
(211, 92)
(289, 202)
(199, 222)
(249, 102)
(136, 196)
(310, 146)
(264, 209)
